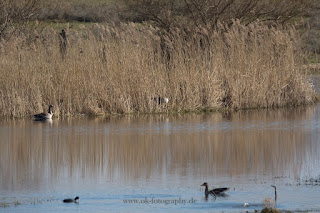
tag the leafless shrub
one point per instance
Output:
(311, 40)
(13, 13)
(82, 11)
(168, 13)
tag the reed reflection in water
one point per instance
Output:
(39, 156)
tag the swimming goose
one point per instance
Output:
(44, 116)
(216, 191)
(69, 200)
(275, 193)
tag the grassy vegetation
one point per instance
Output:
(200, 61)
(109, 69)
(77, 2)
(80, 10)
(269, 206)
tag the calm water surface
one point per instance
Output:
(162, 159)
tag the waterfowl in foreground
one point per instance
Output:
(216, 191)
(275, 192)
(44, 116)
(69, 200)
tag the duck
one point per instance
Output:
(44, 116)
(161, 100)
(216, 191)
(69, 200)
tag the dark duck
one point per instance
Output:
(69, 200)
(216, 191)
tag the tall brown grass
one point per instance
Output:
(109, 69)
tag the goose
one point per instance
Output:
(69, 200)
(216, 191)
(44, 116)
(161, 100)
(275, 192)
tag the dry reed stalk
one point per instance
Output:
(110, 69)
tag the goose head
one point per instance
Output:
(205, 184)
(50, 109)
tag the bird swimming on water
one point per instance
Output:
(216, 191)
(69, 200)
(275, 193)
(44, 116)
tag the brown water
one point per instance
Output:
(162, 159)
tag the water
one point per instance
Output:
(160, 161)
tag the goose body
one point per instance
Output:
(69, 200)
(161, 100)
(216, 191)
(44, 116)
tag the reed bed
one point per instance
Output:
(107, 69)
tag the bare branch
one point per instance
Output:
(16, 11)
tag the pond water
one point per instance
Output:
(158, 162)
